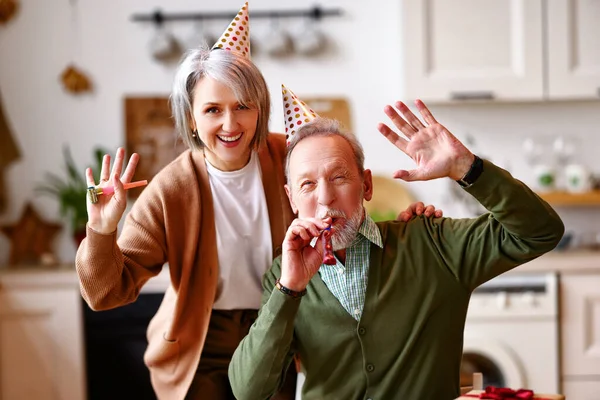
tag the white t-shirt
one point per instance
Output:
(243, 235)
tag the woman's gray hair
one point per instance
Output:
(324, 127)
(229, 68)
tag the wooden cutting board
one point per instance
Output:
(537, 396)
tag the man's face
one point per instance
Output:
(325, 181)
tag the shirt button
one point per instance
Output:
(356, 311)
(340, 271)
(362, 331)
(370, 368)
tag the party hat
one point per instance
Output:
(295, 112)
(237, 35)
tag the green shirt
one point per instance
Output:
(408, 341)
(348, 283)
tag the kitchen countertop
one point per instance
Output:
(64, 275)
(563, 262)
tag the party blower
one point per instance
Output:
(95, 192)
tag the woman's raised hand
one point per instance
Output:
(104, 216)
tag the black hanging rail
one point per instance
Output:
(158, 16)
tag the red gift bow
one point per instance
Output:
(496, 393)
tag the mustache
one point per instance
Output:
(331, 212)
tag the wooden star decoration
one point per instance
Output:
(30, 238)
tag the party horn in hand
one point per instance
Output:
(94, 192)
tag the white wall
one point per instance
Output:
(365, 66)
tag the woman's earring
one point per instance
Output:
(196, 137)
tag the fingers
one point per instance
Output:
(131, 166)
(427, 115)
(118, 164)
(410, 175)
(320, 223)
(89, 177)
(296, 232)
(105, 171)
(320, 243)
(404, 216)
(118, 186)
(119, 197)
(392, 136)
(306, 229)
(313, 226)
(401, 174)
(409, 116)
(429, 210)
(399, 122)
(418, 207)
(412, 210)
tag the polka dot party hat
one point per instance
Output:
(237, 35)
(295, 112)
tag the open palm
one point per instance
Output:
(435, 150)
(104, 216)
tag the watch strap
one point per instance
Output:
(289, 292)
(473, 173)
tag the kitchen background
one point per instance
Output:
(365, 63)
(529, 68)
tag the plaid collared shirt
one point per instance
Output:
(349, 283)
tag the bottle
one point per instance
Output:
(328, 257)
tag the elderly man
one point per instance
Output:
(385, 322)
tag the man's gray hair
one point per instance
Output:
(324, 127)
(229, 68)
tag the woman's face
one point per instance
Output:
(224, 125)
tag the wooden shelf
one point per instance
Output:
(572, 199)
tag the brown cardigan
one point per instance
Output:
(173, 222)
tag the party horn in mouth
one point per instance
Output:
(328, 256)
(94, 192)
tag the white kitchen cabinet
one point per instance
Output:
(41, 336)
(519, 50)
(580, 333)
(473, 49)
(573, 49)
(578, 390)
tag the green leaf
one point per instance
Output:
(72, 171)
(71, 190)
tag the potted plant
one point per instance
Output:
(71, 191)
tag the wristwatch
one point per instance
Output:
(472, 174)
(289, 292)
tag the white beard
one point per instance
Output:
(343, 237)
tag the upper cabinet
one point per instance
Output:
(573, 41)
(515, 50)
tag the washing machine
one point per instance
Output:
(511, 333)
